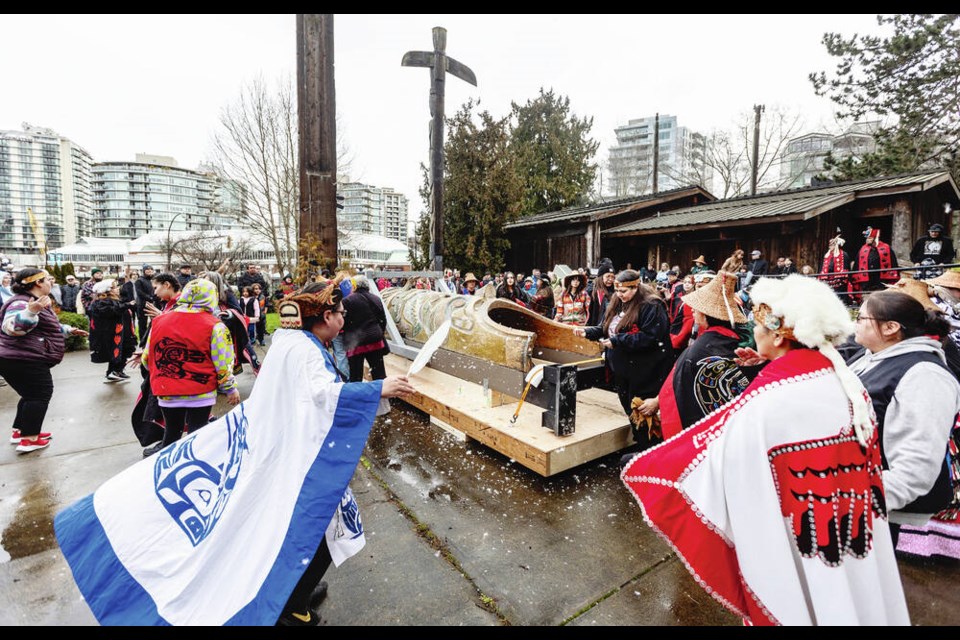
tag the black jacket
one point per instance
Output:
(927, 247)
(759, 267)
(110, 319)
(365, 322)
(642, 353)
(599, 300)
(247, 280)
(70, 294)
(144, 288)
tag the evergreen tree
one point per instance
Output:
(910, 77)
(68, 270)
(482, 191)
(420, 256)
(552, 152)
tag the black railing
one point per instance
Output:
(926, 272)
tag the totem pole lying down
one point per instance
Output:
(496, 342)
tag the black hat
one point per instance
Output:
(607, 268)
(186, 266)
(569, 278)
(147, 266)
(936, 226)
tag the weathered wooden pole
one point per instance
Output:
(440, 64)
(656, 152)
(316, 108)
(755, 168)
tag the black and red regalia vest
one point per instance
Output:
(833, 263)
(888, 276)
(180, 360)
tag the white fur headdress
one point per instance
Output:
(820, 321)
(103, 286)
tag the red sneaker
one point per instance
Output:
(15, 437)
(27, 444)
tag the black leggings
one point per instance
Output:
(261, 328)
(174, 419)
(299, 600)
(377, 369)
(34, 384)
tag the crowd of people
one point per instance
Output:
(755, 397)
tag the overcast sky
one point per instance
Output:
(121, 85)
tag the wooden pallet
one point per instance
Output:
(602, 427)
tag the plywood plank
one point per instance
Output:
(602, 427)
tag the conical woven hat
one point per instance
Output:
(716, 299)
(916, 289)
(949, 279)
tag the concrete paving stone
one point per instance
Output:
(397, 579)
(666, 596)
(543, 548)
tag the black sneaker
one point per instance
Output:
(123, 375)
(149, 451)
(291, 619)
(113, 377)
(319, 594)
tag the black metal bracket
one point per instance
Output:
(559, 386)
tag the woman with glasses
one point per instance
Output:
(916, 400)
(635, 335)
(31, 343)
(775, 500)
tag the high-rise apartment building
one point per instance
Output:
(154, 194)
(803, 158)
(45, 191)
(681, 158)
(394, 215)
(372, 210)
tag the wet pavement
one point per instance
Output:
(457, 534)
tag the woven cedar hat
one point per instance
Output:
(470, 278)
(916, 289)
(716, 299)
(700, 260)
(950, 279)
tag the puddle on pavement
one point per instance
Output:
(30, 529)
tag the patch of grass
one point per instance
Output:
(75, 343)
(273, 322)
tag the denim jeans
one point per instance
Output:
(341, 355)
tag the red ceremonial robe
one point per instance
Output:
(774, 507)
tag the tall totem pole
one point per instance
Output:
(440, 64)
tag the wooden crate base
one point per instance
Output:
(601, 428)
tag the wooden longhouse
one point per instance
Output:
(796, 223)
(574, 236)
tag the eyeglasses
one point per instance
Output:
(342, 312)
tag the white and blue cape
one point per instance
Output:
(217, 528)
